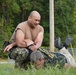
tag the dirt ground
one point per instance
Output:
(3, 60)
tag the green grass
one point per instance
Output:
(8, 69)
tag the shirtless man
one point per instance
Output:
(27, 33)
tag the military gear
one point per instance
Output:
(58, 43)
(53, 58)
(68, 41)
(22, 57)
(18, 54)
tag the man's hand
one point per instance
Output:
(7, 48)
(28, 41)
(33, 47)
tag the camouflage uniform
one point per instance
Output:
(51, 58)
(58, 60)
(19, 55)
(23, 56)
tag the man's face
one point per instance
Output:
(34, 21)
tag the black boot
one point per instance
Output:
(67, 41)
(58, 43)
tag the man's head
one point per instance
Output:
(37, 59)
(34, 19)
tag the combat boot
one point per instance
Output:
(67, 41)
(58, 43)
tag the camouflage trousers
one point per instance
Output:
(23, 57)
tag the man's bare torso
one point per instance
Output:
(27, 30)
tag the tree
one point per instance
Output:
(64, 17)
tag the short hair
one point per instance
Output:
(33, 12)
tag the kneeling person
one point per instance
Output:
(26, 33)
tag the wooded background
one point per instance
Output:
(12, 12)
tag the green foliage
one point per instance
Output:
(46, 40)
(46, 33)
(74, 28)
(64, 17)
(7, 69)
(5, 36)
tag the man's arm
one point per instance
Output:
(20, 36)
(20, 39)
(39, 38)
(7, 48)
(37, 42)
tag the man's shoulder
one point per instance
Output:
(39, 26)
(22, 24)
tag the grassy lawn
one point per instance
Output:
(8, 69)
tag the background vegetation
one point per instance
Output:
(12, 12)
